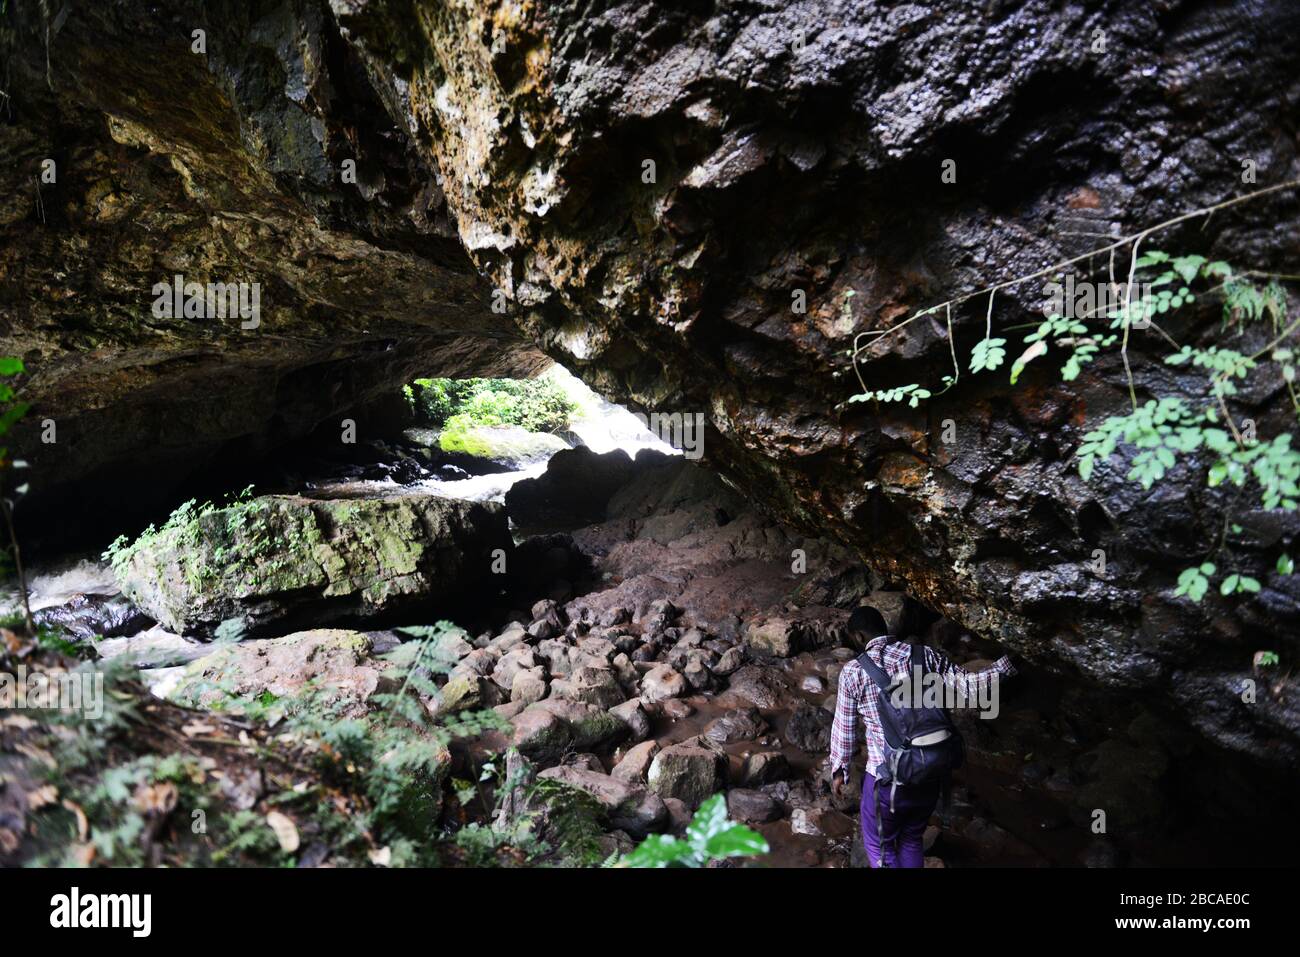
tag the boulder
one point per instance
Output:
(551, 727)
(336, 662)
(812, 684)
(511, 637)
(676, 709)
(278, 557)
(572, 492)
(466, 693)
(629, 806)
(820, 822)
(635, 764)
(598, 686)
(728, 662)
(599, 650)
(633, 715)
(764, 767)
(542, 629)
(774, 638)
(697, 673)
(689, 772)
(528, 686)
(617, 615)
(511, 447)
(751, 807)
(517, 659)
(761, 685)
(661, 683)
(679, 815)
(549, 610)
(480, 661)
(559, 654)
(738, 724)
(809, 728)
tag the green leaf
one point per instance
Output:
(1152, 258)
(736, 841)
(1285, 565)
(658, 850)
(1187, 266)
(10, 365)
(1229, 585)
(708, 820)
(988, 355)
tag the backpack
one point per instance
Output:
(921, 743)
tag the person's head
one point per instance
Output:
(867, 623)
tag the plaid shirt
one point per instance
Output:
(857, 701)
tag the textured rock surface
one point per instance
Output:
(336, 661)
(799, 147)
(280, 557)
(796, 146)
(224, 167)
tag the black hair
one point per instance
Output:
(867, 621)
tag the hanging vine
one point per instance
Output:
(1160, 431)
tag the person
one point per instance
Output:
(906, 812)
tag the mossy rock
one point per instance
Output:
(262, 562)
(508, 445)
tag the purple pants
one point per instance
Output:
(904, 827)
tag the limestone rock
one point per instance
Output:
(336, 661)
(553, 726)
(597, 686)
(687, 772)
(774, 638)
(629, 806)
(662, 683)
(752, 807)
(635, 764)
(267, 559)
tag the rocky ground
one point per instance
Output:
(681, 646)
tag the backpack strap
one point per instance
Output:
(874, 671)
(882, 683)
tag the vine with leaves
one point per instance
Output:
(1162, 430)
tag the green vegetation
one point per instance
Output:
(11, 410)
(370, 789)
(538, 405)
(710, 836)
(183, 520)
(1162, 433)
(561, 826)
